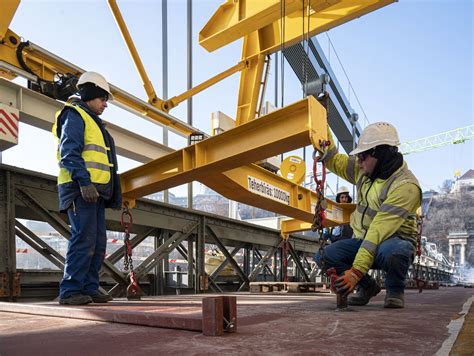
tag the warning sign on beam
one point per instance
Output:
(266, 190)
(9, 120)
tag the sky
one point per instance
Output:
(410, 63)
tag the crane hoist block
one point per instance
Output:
(9, 122)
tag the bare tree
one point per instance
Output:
(446, 186)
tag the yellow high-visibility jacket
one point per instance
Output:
(385, 207)
(94, 153)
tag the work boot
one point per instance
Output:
(76, 299)
(363, 295)
(101, 297)
(394, 300)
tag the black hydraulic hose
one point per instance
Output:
(19, 56)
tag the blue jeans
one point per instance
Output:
(394, 256)
(86, 249)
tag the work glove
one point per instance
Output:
(89, 193)
(346, 282)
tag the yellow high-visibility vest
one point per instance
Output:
(94, 153)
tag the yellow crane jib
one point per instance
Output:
(269, 26)
(236, 19)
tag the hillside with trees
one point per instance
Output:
(449, 212)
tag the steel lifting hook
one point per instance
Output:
(133, 291)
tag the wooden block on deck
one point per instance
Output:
(255, 288)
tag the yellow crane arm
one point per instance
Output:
(266, 27)
(236, 19)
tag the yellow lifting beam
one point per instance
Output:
(223, 163)
(297, 125)
(255, 186)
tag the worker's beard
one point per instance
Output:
(388, 161)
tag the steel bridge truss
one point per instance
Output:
(33, 196)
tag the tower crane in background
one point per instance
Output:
(452, 137)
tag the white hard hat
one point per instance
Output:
(343, 189)
(97, 79)
(376, 134)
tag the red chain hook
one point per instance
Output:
(133, 289)
(320, 212)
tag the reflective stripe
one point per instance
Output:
(331, 153)
(403, 174)
(369, 246)
(96, 165)
(395, 210)
(92, 147)
(350, 169)
(384, 193)
(370, 212)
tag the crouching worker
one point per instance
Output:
(384, 222)
(87, 184)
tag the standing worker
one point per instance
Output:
(87, 184)
(343, 231)
(384, 222)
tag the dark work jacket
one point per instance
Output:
(70, 130)
(340, 233)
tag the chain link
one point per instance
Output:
(321, 204)
(127, 221)
(285, 249)
(133, 292)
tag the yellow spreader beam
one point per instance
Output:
(224, 163)
(297, 125)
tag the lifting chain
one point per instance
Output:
(285, 249)
(133, 290)
(321, 204)
(420, 283)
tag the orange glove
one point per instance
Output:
(346, 282)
